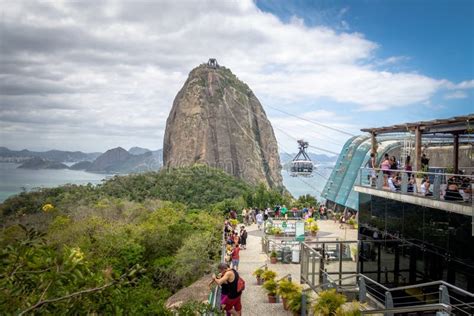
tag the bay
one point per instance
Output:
(14, 180)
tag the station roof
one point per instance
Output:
(454, 125)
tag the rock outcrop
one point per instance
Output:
(218, 121)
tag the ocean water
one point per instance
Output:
(13, 180)
(313, 185)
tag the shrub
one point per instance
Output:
(328, 302)
(270, 286)
(269, 275)
(287, 288)
(258, 273)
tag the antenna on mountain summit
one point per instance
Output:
(213, 63)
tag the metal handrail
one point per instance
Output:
(440, 282)
(407, 309)
(421, 172)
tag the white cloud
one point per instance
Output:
(114, 67)
(456, 95)
(464, 85)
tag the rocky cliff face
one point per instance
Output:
(217, 120)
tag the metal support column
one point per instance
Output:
(417, 162)
(456, 153)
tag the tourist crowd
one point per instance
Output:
(457, 187)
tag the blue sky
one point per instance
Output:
(94, 75)
(436, 37)
(432, 38)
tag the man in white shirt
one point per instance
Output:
(259, 217)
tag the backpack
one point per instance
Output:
(240, 285)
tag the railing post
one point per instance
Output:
(362, 290)
(303, 304)
(444, 295)
(443, 299)
(388, 302)
(404, 187)
(436, 187)
(379, 180)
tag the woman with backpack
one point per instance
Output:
(232, 287)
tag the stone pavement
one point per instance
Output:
(254, 298)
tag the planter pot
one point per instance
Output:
(259, 281)
(285, 303)
(272, 298)
(314, 234)
(273, 260)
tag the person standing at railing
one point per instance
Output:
(235, 257)
(372, 174)
(243, 237)
(425, 162)
(230, 297)
(385, 166)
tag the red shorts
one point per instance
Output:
(231, 302)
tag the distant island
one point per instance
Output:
(116, 160)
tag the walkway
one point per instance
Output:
(254, 298)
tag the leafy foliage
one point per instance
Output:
(328, 302)
(122, 247)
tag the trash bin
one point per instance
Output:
(286, 255)
(295, 258)
(279, 255)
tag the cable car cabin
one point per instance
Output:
(301, 168)
(301, 164)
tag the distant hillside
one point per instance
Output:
(118, 160)
(38, 163)
(138, 150)
(83, 165)
(7, 155)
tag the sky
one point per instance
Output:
(94, 75)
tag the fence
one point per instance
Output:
(326, 265)
(454, 188)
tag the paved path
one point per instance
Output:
(254, 298)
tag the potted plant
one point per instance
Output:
(286, 289)
(328, 302)
(277, 231)
(352, 223)
(352, 309)
(268, 275)
(294, 303)
(273, 257)
(313, 228)
(271, 287)
(258, 274)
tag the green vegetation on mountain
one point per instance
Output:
(122, 247)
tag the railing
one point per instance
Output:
(319, 271)
(449, 187)
(215, 294)
(325, 260)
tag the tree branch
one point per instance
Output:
(100, 288)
